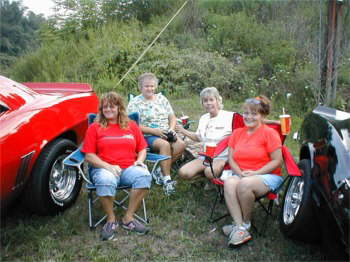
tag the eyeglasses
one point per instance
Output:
(252, 101)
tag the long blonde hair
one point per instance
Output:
(112, 98)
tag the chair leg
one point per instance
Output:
(144, 210)
(90, 209)
(268, 211)
(219, 197)
(121, 202)
(213, 207)
(143, 219)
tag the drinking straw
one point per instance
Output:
(283, 110)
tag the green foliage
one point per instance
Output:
(18, 32)
(244, 48)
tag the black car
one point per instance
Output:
(316, 206)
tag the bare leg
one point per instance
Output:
(136, 196)
(231, 199)
(192, 169)
(177, 149)
(249, 189)
(218, 167)
(163, 147)
(107, 205)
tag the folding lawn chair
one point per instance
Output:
(289, 162)
(76, 160)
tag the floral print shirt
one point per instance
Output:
(153, 113)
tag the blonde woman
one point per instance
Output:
(213, 126)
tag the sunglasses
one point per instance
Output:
(253, 101)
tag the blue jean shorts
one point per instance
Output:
(150, 140)
(106, 183)
(271, 181)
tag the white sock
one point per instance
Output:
(166, 178)
(246, 225)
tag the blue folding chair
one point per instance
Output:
(77, 159)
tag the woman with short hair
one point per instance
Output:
(213, 126)
(157, 122)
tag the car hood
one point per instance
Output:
(58, 87)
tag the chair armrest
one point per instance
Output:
(76, 158)
(289, 162)
(207, 158)
(217, 181)
(155, 157)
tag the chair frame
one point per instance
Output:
(77, 159)
(289, 162)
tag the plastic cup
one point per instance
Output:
(210, 149)
(286, 122)
(184, 120)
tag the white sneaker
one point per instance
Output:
(227, 229)
(169, 187)
(238, 236)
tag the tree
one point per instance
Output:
(18, 32)
(331, 52)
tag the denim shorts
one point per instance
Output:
(106, 183)
(150, 140)
(271, 181)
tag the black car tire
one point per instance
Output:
(52, 188)
(297, 219)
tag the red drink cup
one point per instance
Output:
(184, 120)
(285, 124)
(210, 149)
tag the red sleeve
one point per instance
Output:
(139, 139)
(90, 141)
(273, 140)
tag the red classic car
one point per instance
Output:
(40, 124)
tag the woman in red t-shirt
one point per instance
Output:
(115, 148)
(255, 158)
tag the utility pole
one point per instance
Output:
(331, 52)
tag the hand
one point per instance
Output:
(248, 173)
(179, 128)
(140, 163)
(173, 132)
(160, 133)
(115, 169)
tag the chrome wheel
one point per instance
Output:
(62, 181)
(293, 200)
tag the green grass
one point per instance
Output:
(180, 229)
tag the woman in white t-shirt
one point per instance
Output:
(213, 126)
